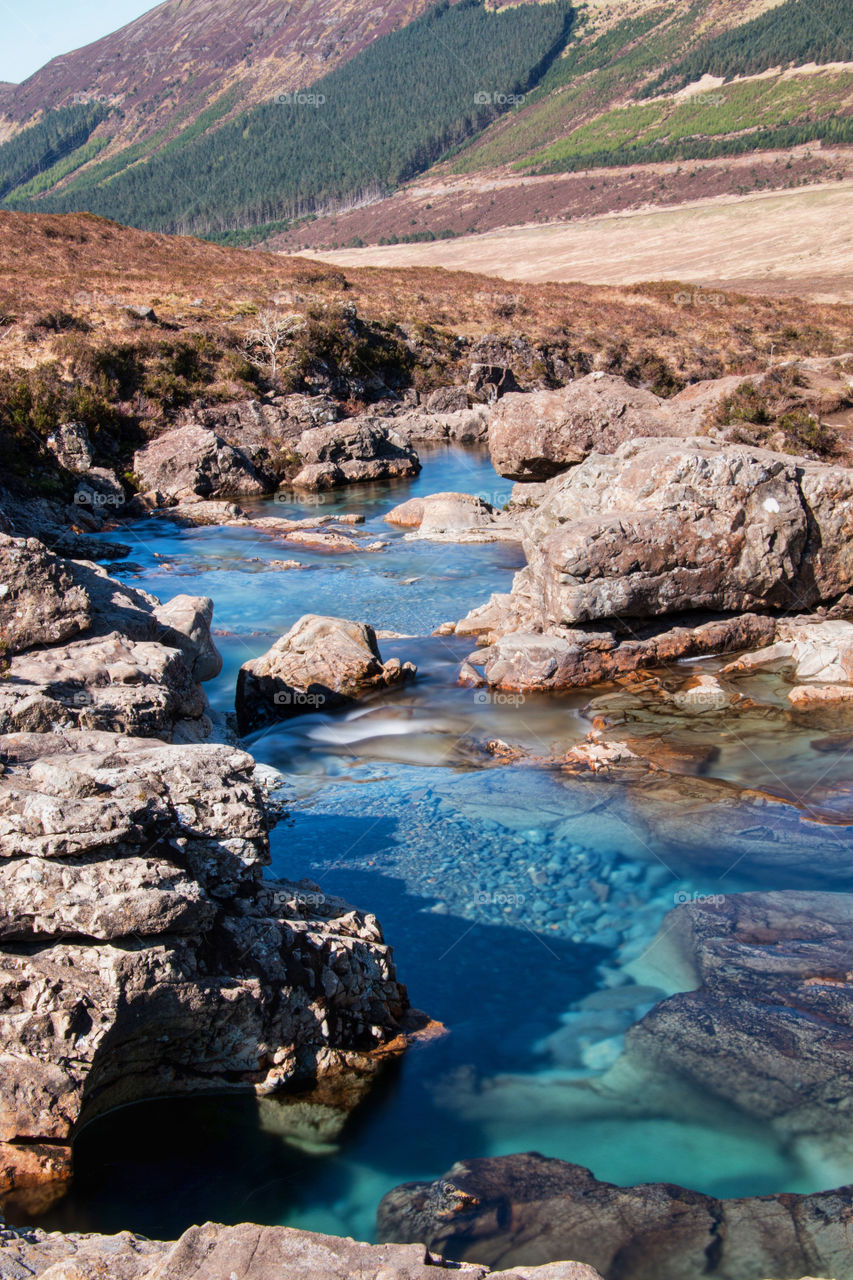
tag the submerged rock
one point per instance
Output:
(767, 1026)
(526, 1210)
(320, 663)
(454, 517)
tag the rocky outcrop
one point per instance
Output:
(353, 451)
(524, 1210)
(243, 1252)
(436, 424)
(131, 665)
(194, 462)
(657, 528)
(319, 664)
(40, 603)
(767, 1025)
(141, 952)
(661, 551)
(536, 435)
(455, 517)
(580, 656)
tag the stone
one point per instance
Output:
(100, 491)
(185, 623)
(39, 600)
(487, 382)
(319, 664)
(581, 656)
(464, 425)
(454, 517)
(657, 527)
(142, 954)
(804, 650)
(526, 1210)
(766, 1025)
(351, 452)
(535, 435)
(193, 461)
(72, 447)
(241, 1252)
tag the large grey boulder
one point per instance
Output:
(353, 451)
(243, 1252)
(661, 527)
(535, 435)
(142, 954)
(193, 461)
(40, 602)
(319, 664)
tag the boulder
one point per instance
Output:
(536, 435)
(464, 425)
(350, 452)
(72, 447)
(321, 663)
(242, 1252)
(454, 517)
(576, 657)
(526, 1210)
(100, 491)
(142, 953)
(193, 461)
(767, 1023)
(657, 528)
(40, 603)
(185, 624)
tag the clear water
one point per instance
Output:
(510, 893)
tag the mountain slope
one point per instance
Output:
(387, 114)
(167, 66)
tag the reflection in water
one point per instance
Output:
(522, 899)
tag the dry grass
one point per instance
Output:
(92, 269)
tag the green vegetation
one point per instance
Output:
(41, 147)
(754, 115)
(386, 115)
(797, 32)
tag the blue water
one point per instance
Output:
(521, 906)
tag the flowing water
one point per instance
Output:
(522, 909)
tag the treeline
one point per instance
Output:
(41, 146)
(798, 31)
(383, 117)
(837, 129)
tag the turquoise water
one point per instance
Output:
(521, 904)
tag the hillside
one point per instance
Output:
(168, 66)
(469, 118)
(389, 113)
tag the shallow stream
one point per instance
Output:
(509, 898)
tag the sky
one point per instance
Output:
(34, 31)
